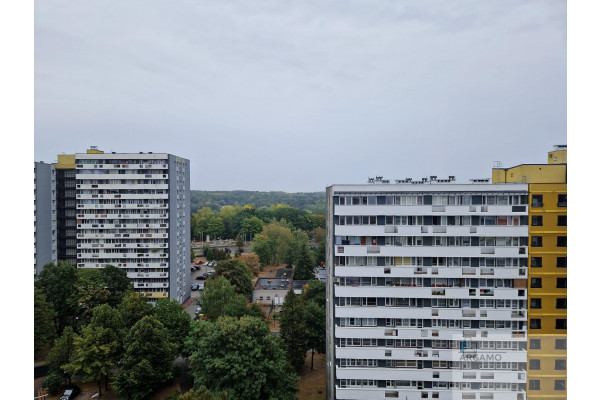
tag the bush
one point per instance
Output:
(53, 382)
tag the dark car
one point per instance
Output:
(200, 277)
(71, 392)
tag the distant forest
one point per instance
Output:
(314, 202)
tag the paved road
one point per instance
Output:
(191, 309)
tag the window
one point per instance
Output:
(534, 364)
(561, 262)
(561, 303)
(536, 303)
(562, 200)
(536, 262)
(536, 283)
(559, 384)
(560, 365)
(537, 200)
(561, 241)
(561, 323)
(537, 220)
(535, 344)
(561, 283)
(560, 344)
(534, 384)
(535, 323)
(562, 220)
(536, 241)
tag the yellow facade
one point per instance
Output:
(65, 161)
(547, 292)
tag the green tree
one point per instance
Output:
(133, 307)
(61, 353)
(93, 356)
(315, 290)
(251, 226)
(175, 319)
(280, 238)
(148, 361)
(305, 264)
(252, 262)
(292, 328)
(238, 274)
(315, 322)
(239, 242)
(243, 357)
(262, 248)
(44, 330)
(219, 298)
(91, 291)
(117, 283)
(202, 393)
(57, 282)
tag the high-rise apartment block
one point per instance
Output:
(427, 290)
(547, 293)
(44, 216)
(129, 210)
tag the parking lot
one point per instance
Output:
(202, 269)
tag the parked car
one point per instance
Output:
(199, 262)
(196, 286)
(209, 264)
(200, 286)
(210, 272)
(71, 392)
(198, 310)
(214, 264)
(193, 268)
(200, 278)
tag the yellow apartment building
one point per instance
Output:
(547, 289)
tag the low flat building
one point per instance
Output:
(269, 291)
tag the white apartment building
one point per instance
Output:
(44, 216)
(427, 291)
(133, 212)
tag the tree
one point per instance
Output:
(239, 242)
(44, 330)
(175, 319)
(251, 226)
(280, 237)
(305, 264)
(219, 298)
(293, 330)
(238, 274)
(252, 262)
(57, 282)
(117, 283)
(261, 246)
(316, 291)
(61, 353)
(148, 360)
(93, 356)
(133, 307)
(243, 357)
(202, 393)
(315, 321)
(91, 290)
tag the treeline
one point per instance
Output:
(247, 221)
(91, 326)
(215, 200)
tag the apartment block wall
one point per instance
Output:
(419, 276)
(45, 248)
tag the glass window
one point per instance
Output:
(536, 283)
(537, 220)
(562, 200)
(536, 303)
(561, 303)
(534, 384)
(536, 262)
(560, 365)
(534, 364)
(561, 262)
(535, 323)
(561, 323)
(559, 384)
(536, 241)
(561, 241)
(559, 344)
(537, 200)
(535, 344)
(562, 220)
(561, 283)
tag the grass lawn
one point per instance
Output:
(312, 383)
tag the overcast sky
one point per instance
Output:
(298, 95)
